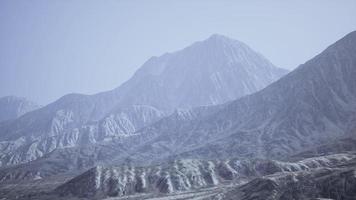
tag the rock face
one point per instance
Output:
(184, 175)
(12, 107)
(209, 72)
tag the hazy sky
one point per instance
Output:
(50, 48)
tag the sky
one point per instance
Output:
(52, 48)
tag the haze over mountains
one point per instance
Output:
(210, 72)
(216, 112)
(12, 107)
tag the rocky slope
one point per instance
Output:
(183, 175)
(119, 124)
(337, 183)
(78, 158)
(12, 107)
(209, 72)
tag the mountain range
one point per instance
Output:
(210, 72)
(215, 120)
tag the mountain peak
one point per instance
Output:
(216, 36)
(220, 64)
(221, 39)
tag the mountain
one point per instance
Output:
(12, 107)
(213, 71)
(282, 135)
(209, 72)
(310, 106)
(306, 108)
